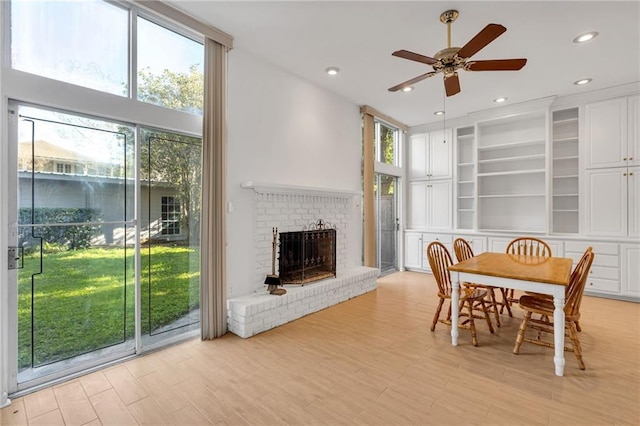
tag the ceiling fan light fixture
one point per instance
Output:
(332, 70)
(407, 89)
(500, 100)
(583, 81)
(585, 37)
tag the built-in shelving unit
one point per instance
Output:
(511, 158)
(565, 172)
(465, 191)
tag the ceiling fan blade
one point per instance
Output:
(412, 81)
(484, 37)
(452, 84)
(414, 57)
(497, 65)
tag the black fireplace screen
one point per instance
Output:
(307, 256)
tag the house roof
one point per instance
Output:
(44, 149)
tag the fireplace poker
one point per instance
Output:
(272, 280)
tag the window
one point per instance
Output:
(84, 43)
(174, 81)
(63, 168)
(386, 144)
(170, 216)
(92, 50)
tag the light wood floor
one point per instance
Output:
(370, 360)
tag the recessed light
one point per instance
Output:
(407, 89)
(438, 113)
(499, 100)
(582, 82)
(332, 70)
(585, 37)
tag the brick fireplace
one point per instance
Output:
(292, 209)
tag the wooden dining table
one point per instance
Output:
(548, 275)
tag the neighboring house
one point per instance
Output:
(65, 178)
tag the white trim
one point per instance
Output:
(188, 21)
(275, 188)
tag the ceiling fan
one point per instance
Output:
(451, 59)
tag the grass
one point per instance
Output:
(84, 299)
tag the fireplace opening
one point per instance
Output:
(308, 255)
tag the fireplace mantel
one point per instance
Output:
(275, 188)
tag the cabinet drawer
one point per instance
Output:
(443, 238)
(604, 272)
(598, 248)
(603, 286)
(606, 260)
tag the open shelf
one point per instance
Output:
(565, 173)
(517, 144)
(517, 172)
(511, 195)
(466, 162)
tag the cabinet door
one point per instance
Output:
(440, 154)
(478, 244)
(633, 193)
(633, 149)
(630, 269)
(606, 202)
(418, 205)
(418, 163)
(440, 205)
(413, 250)
(606, 133)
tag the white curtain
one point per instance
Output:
(213, 274)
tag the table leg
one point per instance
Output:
(455, 304)
(558, 333)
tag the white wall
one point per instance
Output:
(283, 130)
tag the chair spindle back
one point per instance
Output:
(440, 260)
(462, 249)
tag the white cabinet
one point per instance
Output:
(415, 253)
(606, 133)
(431, 155)
(612, 202)
(499, 245)
(633, 202)
(413, 250)
(604, 275)
(633, 147)
(630, 256)
(606, 202)
(611, 133)
(431, 204)
(478, 244)
(445, 239)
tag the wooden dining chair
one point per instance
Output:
(544, 306)
(550, 297)
(463, 251)
(529, 246)
(440, 260)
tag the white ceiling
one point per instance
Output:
(305, 37)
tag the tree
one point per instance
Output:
(170, 158)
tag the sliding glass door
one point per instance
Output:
(169, 234)
(387, 222)
(108, 253)
(75, 239)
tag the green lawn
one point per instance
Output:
(84, 299)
